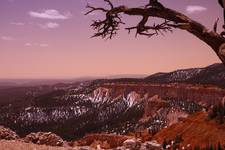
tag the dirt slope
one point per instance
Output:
(195, 130)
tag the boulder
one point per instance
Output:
(44, 138)
(152, 145)
(82, 148)
(7, 134)
(132, 144)
(106, 141)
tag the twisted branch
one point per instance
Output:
(142, 29)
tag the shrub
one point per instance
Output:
(218, 113)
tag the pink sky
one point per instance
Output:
(34, 45)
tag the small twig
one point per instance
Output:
(92, 9)
(110, 3)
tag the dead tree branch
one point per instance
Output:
(108, 27)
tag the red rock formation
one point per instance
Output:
(104, 140)
(205, 95)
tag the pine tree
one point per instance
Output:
(178, 139)
(165, 143)
(197, 147)
(219, 146)
(211, 147)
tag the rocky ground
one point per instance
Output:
(9, 140)
(19, 145)
(128, 145)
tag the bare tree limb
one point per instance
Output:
(215, 25)
(108, 27)
(142, 29)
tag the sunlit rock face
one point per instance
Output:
(7, 134)
(44, 138)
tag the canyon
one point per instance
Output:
(112, 106)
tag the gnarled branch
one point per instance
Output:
(142, 29)
(108, 27)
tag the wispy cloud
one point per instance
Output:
(36, 44)
(49, 25)
(17, 23)
(50, 14)
(7, 38)
(195, 9)
(28, 44)
(44, 45)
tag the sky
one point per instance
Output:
(51, 39)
